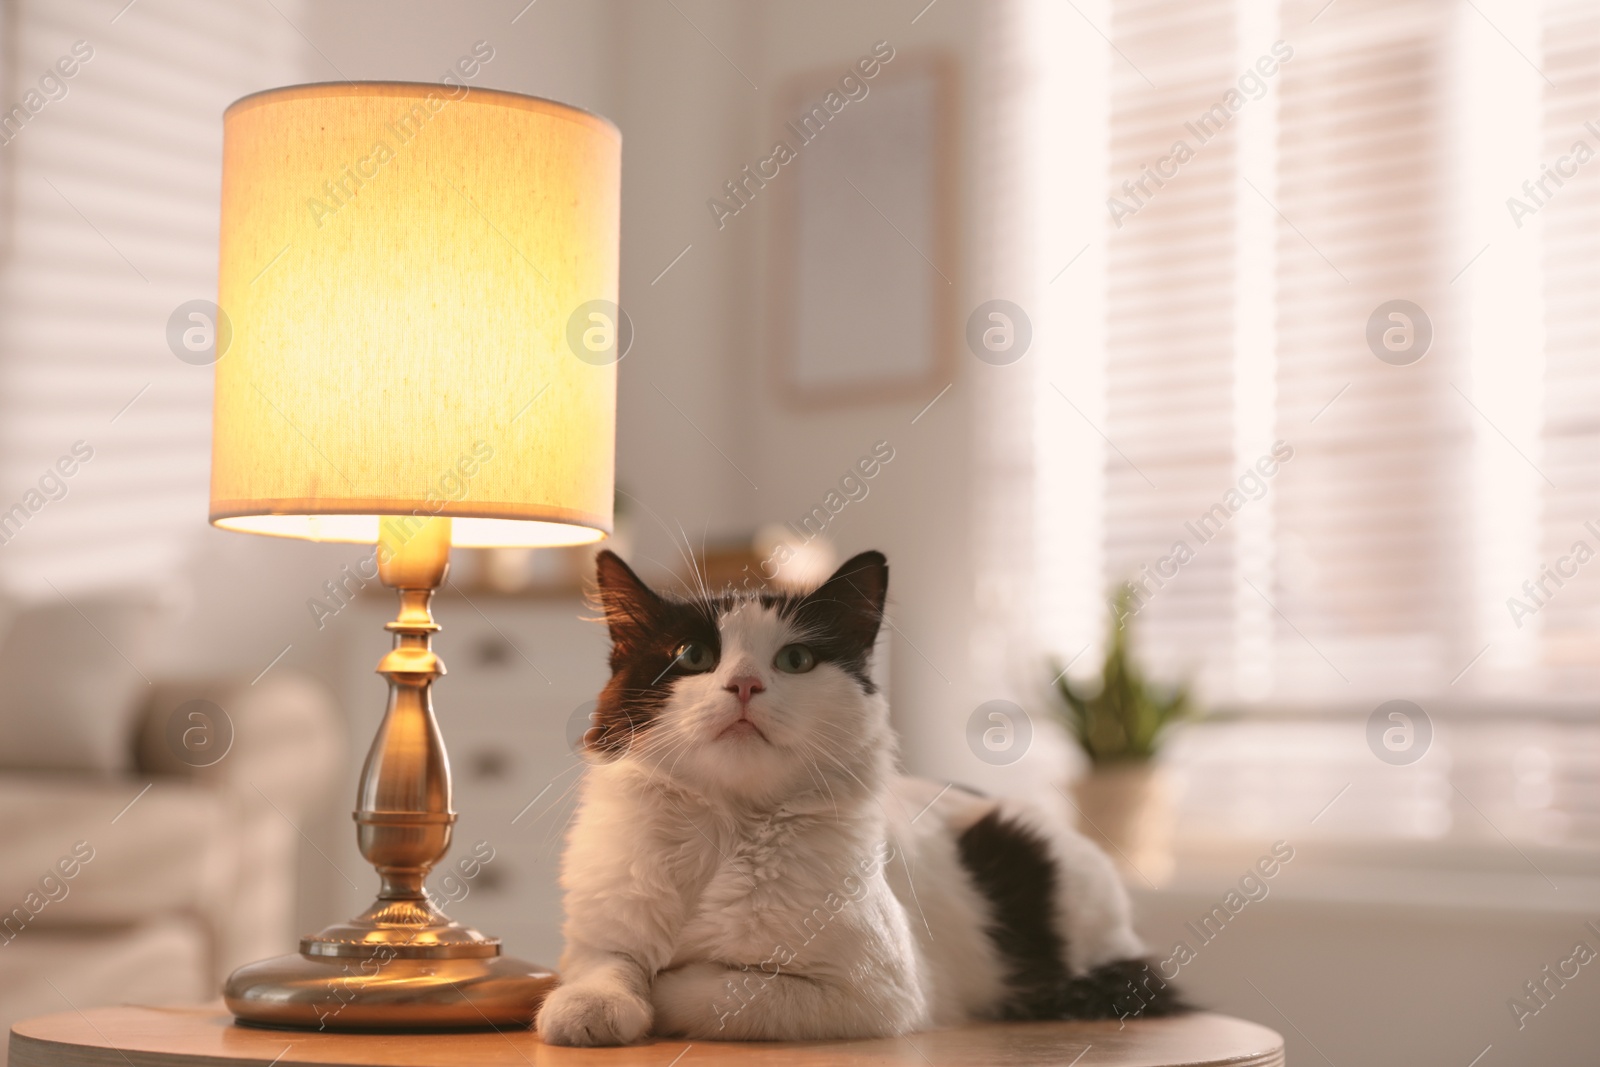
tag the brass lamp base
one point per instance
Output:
(329, 993)
(402, 964)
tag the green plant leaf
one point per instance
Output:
(1127, 717)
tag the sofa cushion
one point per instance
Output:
(72, 692)
(88, 851)
(279, 738)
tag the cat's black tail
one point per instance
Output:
(1125, 989)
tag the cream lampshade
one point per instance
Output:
(420, 283)
(400, 268)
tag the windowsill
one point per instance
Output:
(1411, 875)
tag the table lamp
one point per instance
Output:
(401, 268)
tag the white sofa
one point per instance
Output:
(149, 882)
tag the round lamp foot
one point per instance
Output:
(377, 993)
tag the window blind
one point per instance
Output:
(1371, 515)
(111, 177)
(1569, 618)
(1258, 220)
(1290, 511)
(1170, 327)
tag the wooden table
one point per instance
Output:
(208, 1037)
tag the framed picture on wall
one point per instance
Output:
(863, 256)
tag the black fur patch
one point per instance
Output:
(840, 619)
(1012, 866)
(646, 631)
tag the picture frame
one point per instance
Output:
(863, 256)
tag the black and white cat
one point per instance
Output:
(747, 864)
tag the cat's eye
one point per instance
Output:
(694, 657)
(795, 659)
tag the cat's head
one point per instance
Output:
(750, 693)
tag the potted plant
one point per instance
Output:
(1124, 801)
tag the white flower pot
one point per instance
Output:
(1127, 809)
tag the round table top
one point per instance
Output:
(208, 1037)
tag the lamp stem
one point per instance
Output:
(403, 814)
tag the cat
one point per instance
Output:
(746, 863)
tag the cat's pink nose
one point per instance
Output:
(745, 686)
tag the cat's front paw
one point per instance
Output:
(593, 1014)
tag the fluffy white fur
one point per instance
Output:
(787, 884)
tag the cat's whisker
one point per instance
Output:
(553, 805)
(557, 834)
(693, 565)
(814, 772)
(686, 550)
(683, 750)
(556, 778)
(823, 780)
(677, 750)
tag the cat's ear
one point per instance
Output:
(625, 599)
(850, 604)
